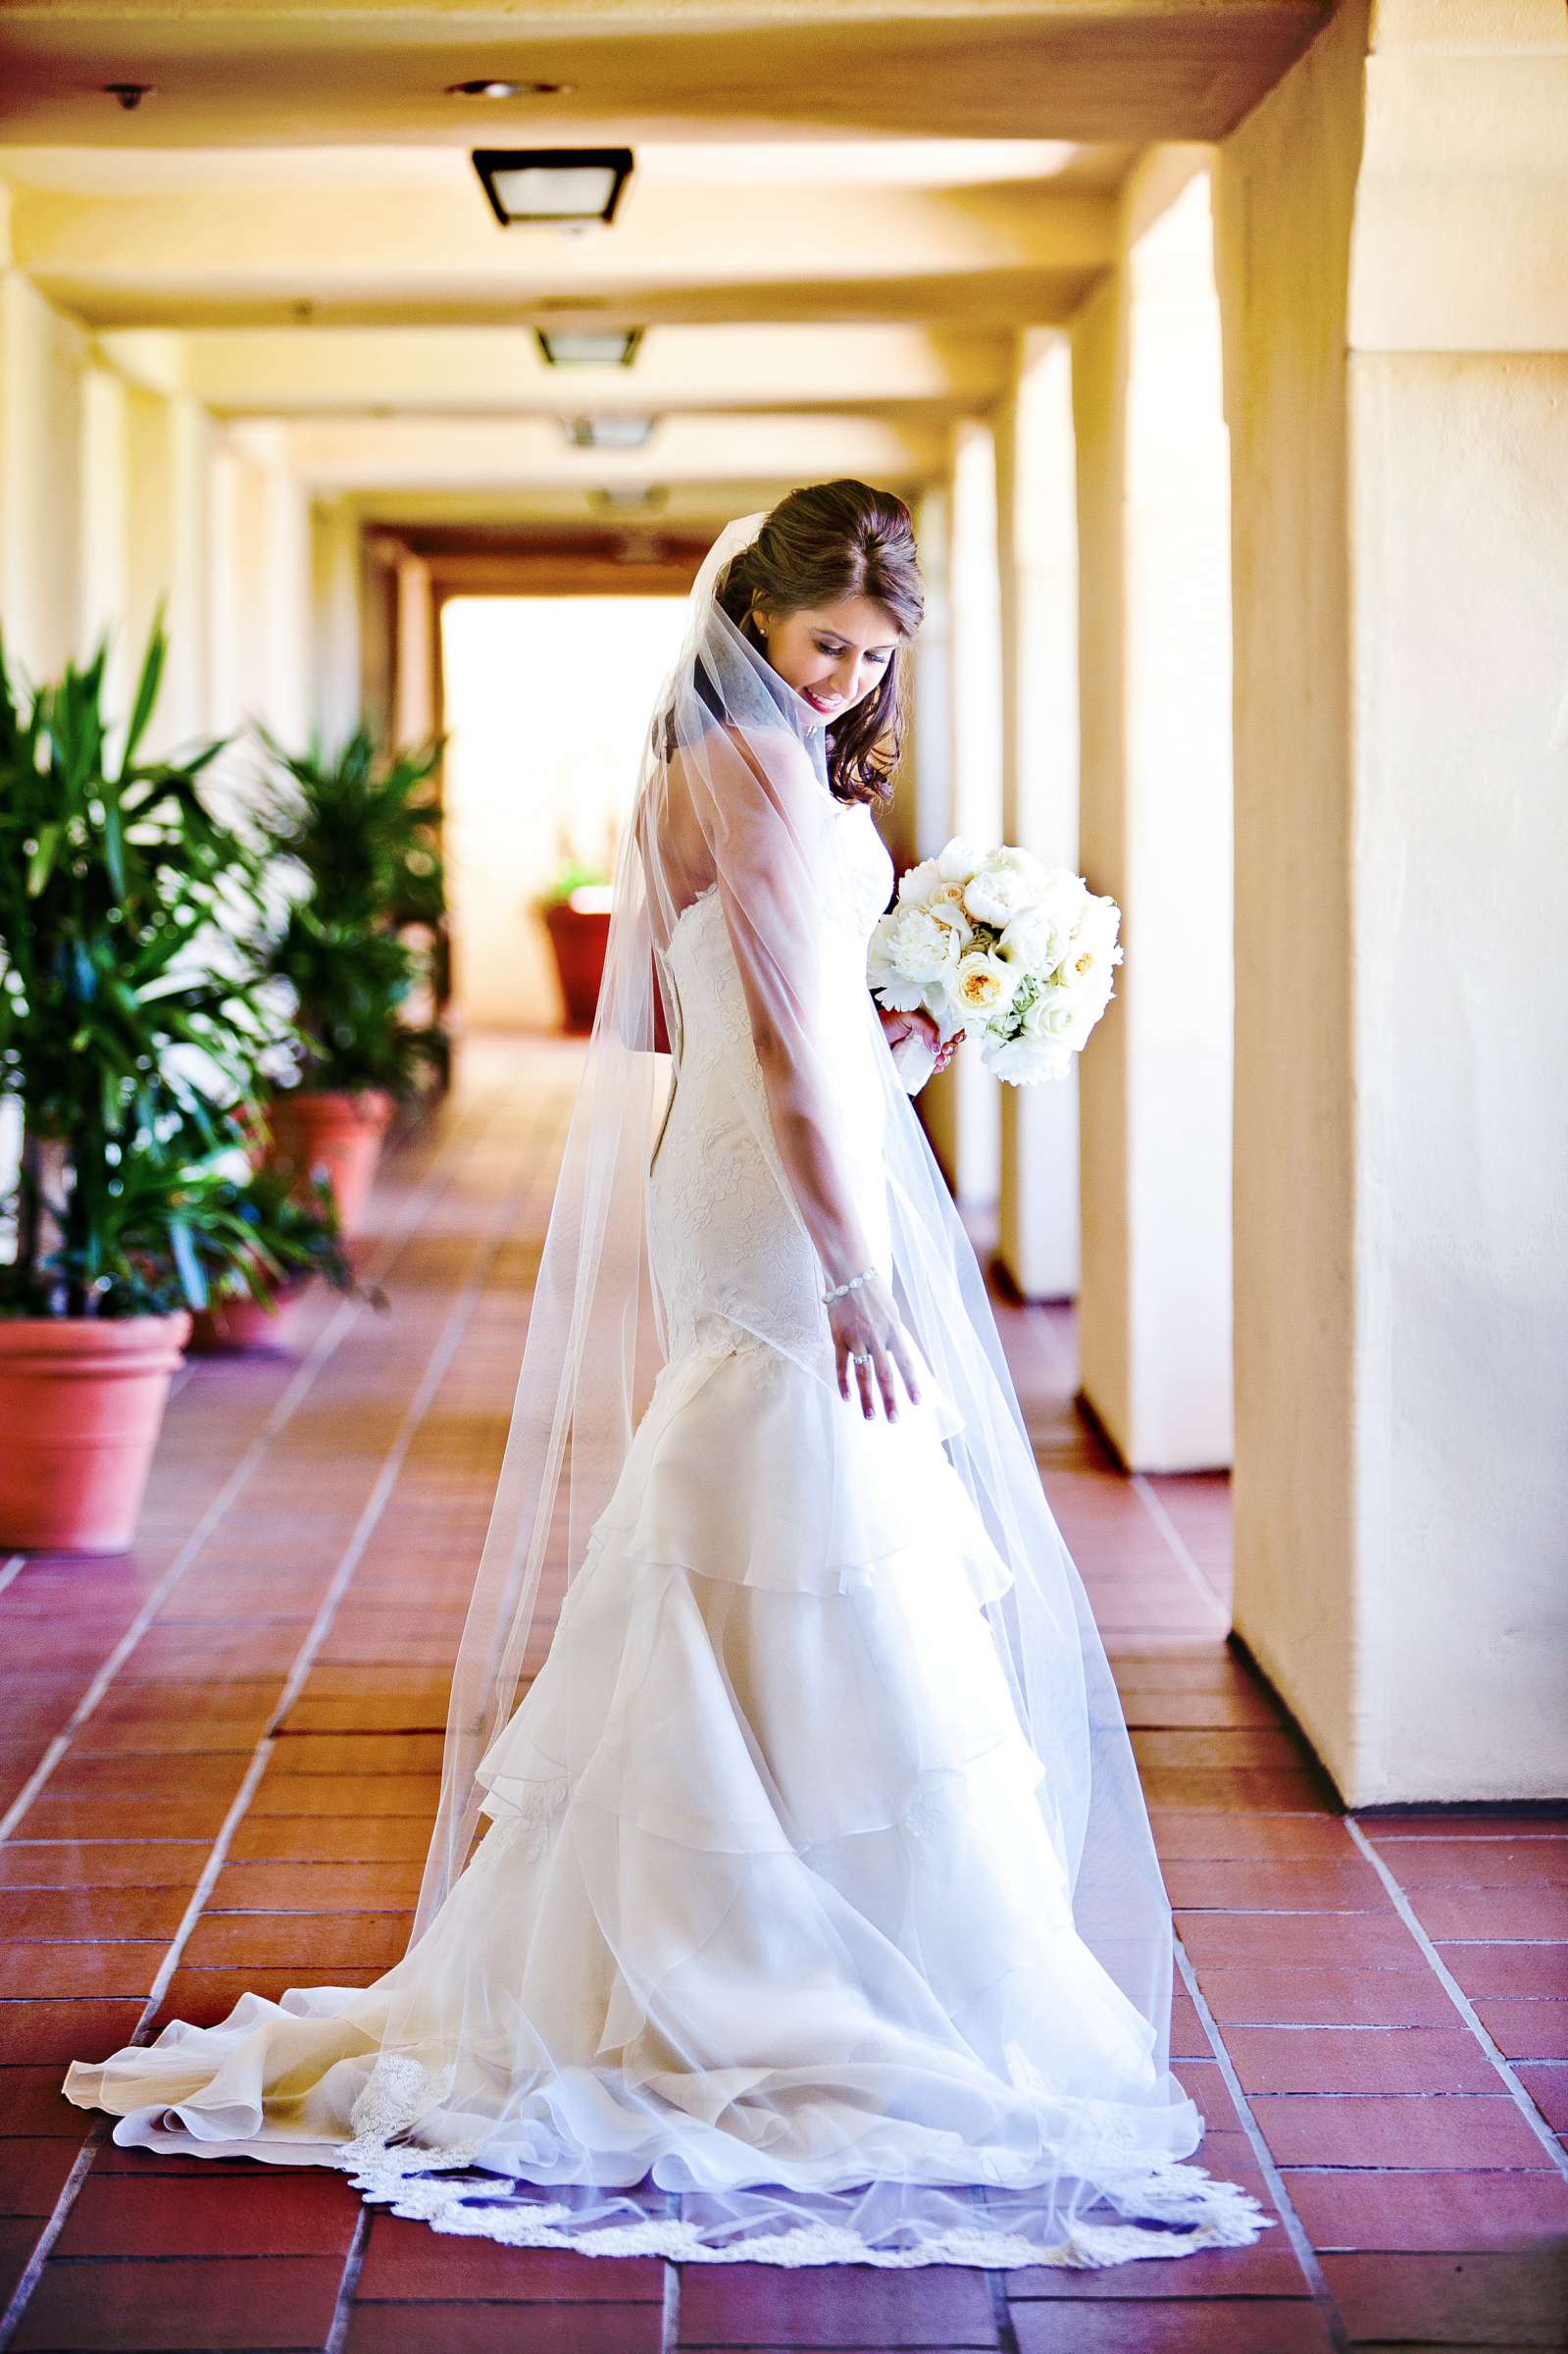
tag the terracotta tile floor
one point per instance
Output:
(219, 1753)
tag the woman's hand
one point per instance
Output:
(866, 1327)
(918, 1023)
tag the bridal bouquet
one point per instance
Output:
(995, 943)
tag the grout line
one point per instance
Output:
(1296, 2232)
(453, 1328)
(281, 1413)
(43, 2246)
(670, 2310)
(1185, 1561)
(336, 2337)
(1461, 2001)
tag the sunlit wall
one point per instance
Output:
(547, 703)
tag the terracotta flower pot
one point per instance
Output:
(339, 1132)
(246, 1324)
(81, 1401)
(580, 936)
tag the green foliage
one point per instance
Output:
(358, 836)
(291, 1230)
(572, 876)
(122, 1037)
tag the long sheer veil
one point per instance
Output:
(753, 818)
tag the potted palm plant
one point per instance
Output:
(292, 1225)
(125, 1048)
(357, 838)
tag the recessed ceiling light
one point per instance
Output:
(608, 432)
(554, 184)
(587, 346)
(508, 89)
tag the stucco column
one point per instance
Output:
(961, 1110)
(104, 552)
(1397, 390)
(263, 619)
(41, 355)
(1037, 563)
(168, 551)
(1155, 830)
(338, 597)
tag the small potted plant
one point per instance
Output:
(293, 1236)
(127, 1038)
(575, 907)
(356, 838)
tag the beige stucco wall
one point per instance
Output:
(1459, 482)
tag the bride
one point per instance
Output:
(816, 1917)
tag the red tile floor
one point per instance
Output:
(219, 1756)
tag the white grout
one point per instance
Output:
(1295, 2231)
(1461, 2001)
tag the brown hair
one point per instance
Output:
(818, 544)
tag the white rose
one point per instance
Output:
(983, 985)
(1054, 1016)
(946, 905)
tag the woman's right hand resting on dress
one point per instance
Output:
(866, 1325)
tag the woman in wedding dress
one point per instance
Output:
(816, 1916)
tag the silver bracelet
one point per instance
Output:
(838, 1289)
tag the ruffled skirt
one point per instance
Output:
(767, 1951)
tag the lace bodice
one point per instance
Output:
(729, 1252)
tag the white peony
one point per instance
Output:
(997, 890)
(910, 954)
(1065, 895)
(1022, 1060)
(1036, 938)
(917, 883)
(958, 858)
(1093, 949)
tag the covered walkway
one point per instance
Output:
(220, 1759)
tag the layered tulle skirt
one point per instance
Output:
(768, 1950)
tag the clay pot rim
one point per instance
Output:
(362, 1103)
(115, 1333)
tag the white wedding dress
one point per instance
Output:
(767, 1951)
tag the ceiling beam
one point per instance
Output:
(303, 70)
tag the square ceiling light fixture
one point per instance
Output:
(560, 186)
(608, 432)
(630, 498)
(587, 346)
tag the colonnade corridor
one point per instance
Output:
(220, 1760)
